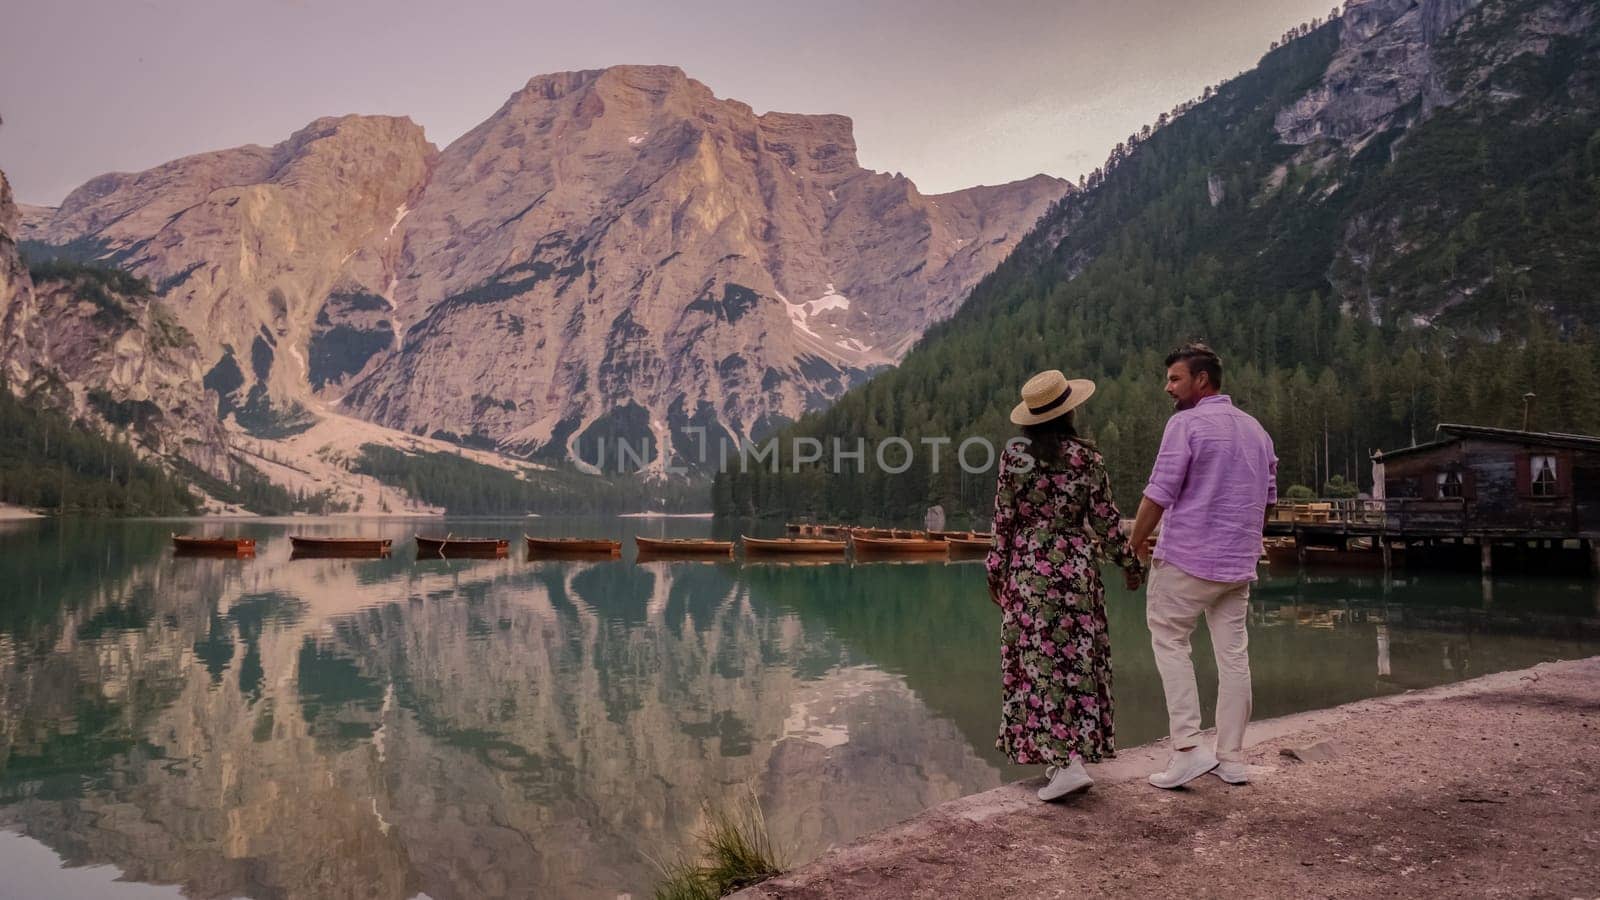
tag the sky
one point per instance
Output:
(951, 94)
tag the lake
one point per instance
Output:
(271, 727)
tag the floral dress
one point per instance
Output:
(1053, 525)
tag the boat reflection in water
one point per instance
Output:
(466, 728)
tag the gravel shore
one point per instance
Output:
(1489, 787)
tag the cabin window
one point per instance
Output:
(1450, 484)
(1543, 480)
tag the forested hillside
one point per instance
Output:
(463, 487)
(50, 463)
(1359, 291)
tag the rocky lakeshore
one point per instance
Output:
(1473, 789)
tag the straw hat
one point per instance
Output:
(1049, 395)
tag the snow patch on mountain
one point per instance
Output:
(399, 213)
(800, 314)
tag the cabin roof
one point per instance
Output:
(1449, 434)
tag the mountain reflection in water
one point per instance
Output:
(509, 727)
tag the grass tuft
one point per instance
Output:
(735, 852)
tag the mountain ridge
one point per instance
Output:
(614, 254)
(1416, 264)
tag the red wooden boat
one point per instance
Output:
(196, 546)
(307, 547)
(682, 547)
(974, 544)
(888, 546)
(572, 546)
(450, 545)
(767, 547)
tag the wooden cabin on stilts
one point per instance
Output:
(1476, 496)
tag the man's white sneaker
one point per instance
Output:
(1065, 780)
(1184, 767)
(1232, 772)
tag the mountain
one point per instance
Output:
(14, 279)
(621, 253)
(47, 459)
(253, 248)
(612, 254)
(1393, 220)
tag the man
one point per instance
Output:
(1213, 480)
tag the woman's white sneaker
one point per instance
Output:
(1184, 767)
(1065, 780)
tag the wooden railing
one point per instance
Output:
(1397, 514)
(1330, 512)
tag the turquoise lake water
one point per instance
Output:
(271, 727)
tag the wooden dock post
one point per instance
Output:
(1388, 553)
(1594, 556)
(1486, 553)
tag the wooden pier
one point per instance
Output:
(1421, 531)
(1473, 495)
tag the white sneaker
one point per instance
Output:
(1184, 767)
(1232, 772)
(1065, 780)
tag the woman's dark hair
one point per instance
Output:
(1047, 440)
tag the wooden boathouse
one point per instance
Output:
(1524, 498)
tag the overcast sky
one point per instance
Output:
(950, 93)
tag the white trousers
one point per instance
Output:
(1173, 606)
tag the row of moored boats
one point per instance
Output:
(803, 540)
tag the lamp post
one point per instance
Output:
(1527, 400)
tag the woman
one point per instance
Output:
(1054, 522)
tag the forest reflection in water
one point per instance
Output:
(465, 728)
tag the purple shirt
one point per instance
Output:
(1215, 476)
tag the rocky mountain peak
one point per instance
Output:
(351, 134)
(10, 215)
(815, 145)
(658, 80)
(614, 252)
(1385, 63)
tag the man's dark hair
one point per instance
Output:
(1199, 358)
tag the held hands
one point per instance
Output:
(1144, 550)
(1136, 576)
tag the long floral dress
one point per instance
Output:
(1053, 525)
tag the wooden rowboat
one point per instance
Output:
(683, 547)
(213, 546)
(1286, 556)
(450, 545)
(874, 532)
(767, 547)
(899, 546)
(970, 544)
(572, 546)
(961, 535)
(320, 546)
